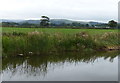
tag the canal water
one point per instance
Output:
(62, 67)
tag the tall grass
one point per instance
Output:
(40, 42)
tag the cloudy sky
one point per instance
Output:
(99, 10)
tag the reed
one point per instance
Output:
(35, 42)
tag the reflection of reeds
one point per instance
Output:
(39, 42)
(39, 65)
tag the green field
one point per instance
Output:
(53, 30)
(46, 40)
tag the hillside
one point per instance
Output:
(54, 21)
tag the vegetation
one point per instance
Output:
(45, 21)
(26, 40)
(57, 30)
(112, 24)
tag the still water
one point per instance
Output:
(62, 67)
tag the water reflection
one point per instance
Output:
(39, 66)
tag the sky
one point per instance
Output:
(98, 10)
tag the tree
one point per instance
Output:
(87, 25)
(119, 25)
(112, 24)
(45, 21)
(75, 24)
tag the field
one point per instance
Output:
(53, 30)
(25, 41)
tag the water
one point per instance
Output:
(62, 67)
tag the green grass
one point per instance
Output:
(41, 40)
(56, 30)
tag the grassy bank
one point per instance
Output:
(27, 41)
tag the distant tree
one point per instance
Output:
(63, 24)
(112, 24)
(93, 26)
(82, 25)
(119, 25)
(9, 24)
(87, 25)
(5, 24)
(28, 25)
(45, 21)
(53, 24)
(75, 24)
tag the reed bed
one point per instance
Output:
(18, 43)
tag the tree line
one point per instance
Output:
(45, 22)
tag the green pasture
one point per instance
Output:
(58, 30)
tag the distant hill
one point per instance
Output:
(59, 21)
(95, 23)
(54, 21)
(8, 20)
(30, 21)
